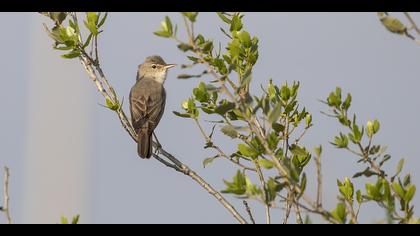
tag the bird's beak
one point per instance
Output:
(167, 66)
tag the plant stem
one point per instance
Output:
(6, 196)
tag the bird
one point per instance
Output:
(147, 101)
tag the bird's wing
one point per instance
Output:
(147, 102)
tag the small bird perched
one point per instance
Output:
(147, 101)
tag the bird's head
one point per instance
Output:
(154, 67)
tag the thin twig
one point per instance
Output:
(319, 181)
(219, 150)
(265, 193)
(302, 135)
(352, 212)
(412, 22)
(299, 219)
(6, 196)
(313, 209)
(248, 210)
(288, 209)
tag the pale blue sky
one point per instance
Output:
(321, 50)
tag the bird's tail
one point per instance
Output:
(144, 143)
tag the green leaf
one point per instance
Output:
(247, 151)
(223, 17)
(111, 105)
(163, 34)
(399, 190)
(393, 25)
(91, 26)
(308, 120)
(62, 48)
(247, 77)
(273, 140)
(272, 90)
(186, 76)
(303, 183)
(278, 127)
(301, 157)
(75, 220)
(341, 141)
(318, 150)
(340, 213)
(400, 166)
(208, 161)
(333, 100)
(267, 164)
(298, 151)
(103, 20)
(371, 192)
(201, 93)
(357, 134)
(346, 104)
(346, 189)
(411, 191)
(166, 28)
(184, 47)
(385, 159)
(245, 39)
(376, 126)
(92, 17)
(237, 186)
(275, 114)
(58, 17)
(168, 25)
(64, 220)
(407, 180)
(72, 54)
(234, 48)
(285, 93)
(190, 15)
(367, 172)
(230, 131)
(372, 128)
(252, 190)
(87, 41)
(272, 189)
(224, 107)
(183, 115)
(54, 33)
(359, 197)
(236, 23)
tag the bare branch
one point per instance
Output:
(265, 194)
(319, 181)
(298, 214)
(6, 196)
(412, 22)
(248, 210)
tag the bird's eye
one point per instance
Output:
(154, 66)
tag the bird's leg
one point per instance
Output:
(159, 146)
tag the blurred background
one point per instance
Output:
(68, 155)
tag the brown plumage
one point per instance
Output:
(147, 102)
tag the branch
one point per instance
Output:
(219, 150)
(319, 181)
(248, 210)
(412, 22)
(265, 194)
(6, 197)
(92, 70)
(298, 214)
(288, 208)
